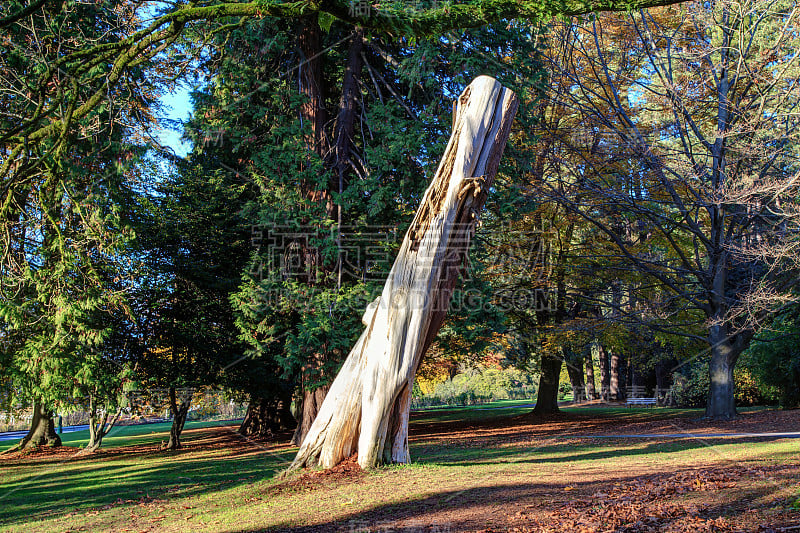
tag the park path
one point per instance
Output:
(782, 435)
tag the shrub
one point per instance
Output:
(692, 390)
(478, 387)
(564, 391)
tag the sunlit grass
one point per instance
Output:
(208, 489)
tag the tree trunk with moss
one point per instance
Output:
(366, 410)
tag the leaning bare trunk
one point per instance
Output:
(547, 399)
(367, 407)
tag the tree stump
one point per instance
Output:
(367, 407)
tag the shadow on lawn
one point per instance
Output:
(498, 506)
(575, 422)
(557, 450)
(120, 476)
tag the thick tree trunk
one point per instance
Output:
(367, 408)
(312, 402)
(725, 351)
(179, 413)
(337, 157)
(311, 85)
(591, 393)
(267, 416)
(42, 431)
(547, 398)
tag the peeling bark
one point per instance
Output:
(366, 409)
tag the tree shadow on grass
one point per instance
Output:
(557, 450)
(124, 475)
(201, 439)
(503, 506)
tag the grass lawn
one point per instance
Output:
(476, 468)
(125, 435)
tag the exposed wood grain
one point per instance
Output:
(367, 408)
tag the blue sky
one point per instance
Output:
(177, 106)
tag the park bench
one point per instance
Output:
(641, 401)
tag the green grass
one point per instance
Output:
(233, 489)
(54, 487)
(124, 435)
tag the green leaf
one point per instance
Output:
(325, 21)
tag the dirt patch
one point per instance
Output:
(766, 421)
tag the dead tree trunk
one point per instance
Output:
(366, 409)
